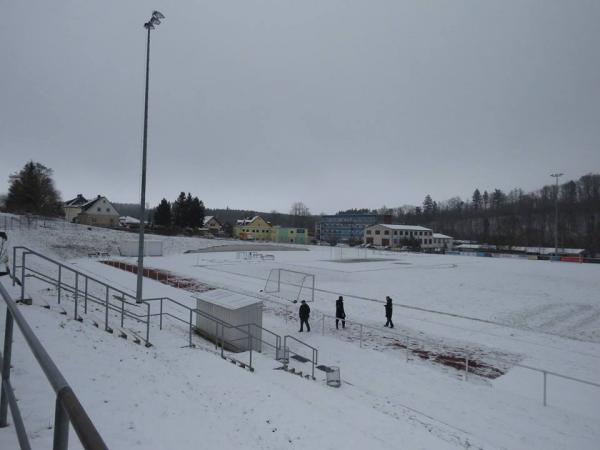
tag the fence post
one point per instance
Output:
(122, 309)
(161, 307)
(85, 298)
(216, 335)
(14, 264)
(59, 281)
(106, 312)
(23, 276)
(466, 366)
(148, 323)
(76, 293)
(8, 335)
(61, 427)
(360, 342)
(190, 328)
(545, 376)
(407, 347)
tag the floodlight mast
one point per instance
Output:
(556, 176)
(150, 25)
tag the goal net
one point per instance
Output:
(291, 285)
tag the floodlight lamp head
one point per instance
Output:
(155, 21)
(158, 14)
(149, 26)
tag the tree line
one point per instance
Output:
(185, 212)
(517, 218)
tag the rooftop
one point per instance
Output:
(226, 299)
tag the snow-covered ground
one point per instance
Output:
(539, 314)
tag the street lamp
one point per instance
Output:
(557, 176)
(154, 20)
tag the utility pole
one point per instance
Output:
(556, 176)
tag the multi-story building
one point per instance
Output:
(344, 227)
(254, 228)
(387, 235)
(290, 235)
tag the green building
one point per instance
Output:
(290, 235)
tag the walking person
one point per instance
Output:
(304, 313)
(388, 312)
(340, 314)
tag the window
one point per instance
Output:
(395, 232)
(386, 232)
(368, 231)
(377, 232)
(107, 209)
(99, 209)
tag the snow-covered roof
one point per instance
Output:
(248, 221)
(208, 218)
(77, 201)
(227, 299)
(128, 220)
(402, 227)
(441, 236)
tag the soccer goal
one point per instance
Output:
(291, 285)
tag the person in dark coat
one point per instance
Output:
(388, 312)
(304, 313)
(340, 314)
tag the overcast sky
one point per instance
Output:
(259, 103)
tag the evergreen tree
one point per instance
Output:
(32, 191)
(162, 213)
(486, 200)
(498, 198)
(477, 201)
(179, 210)
(195, 213)
(428, 207)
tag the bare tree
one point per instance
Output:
(299, 209)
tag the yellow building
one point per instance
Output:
(253, 229)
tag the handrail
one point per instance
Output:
(68, 407)
(77, 291)
(315, 352)
(58, 263)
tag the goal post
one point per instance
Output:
(291, 285)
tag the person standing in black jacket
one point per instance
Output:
(388, 312)
(304, 313)
(340, 314)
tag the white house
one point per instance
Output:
(98, 212)
(442, 242)
(388, 235)
(212, 224)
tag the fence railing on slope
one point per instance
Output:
(81, 289)
(68, 409)
(249, 331)
(411, 344)
(314, 353)
(21, 266)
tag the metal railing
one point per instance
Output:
(68, 409)
(411, 344)
(80, 289)
(124, 308)
(314, 352)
